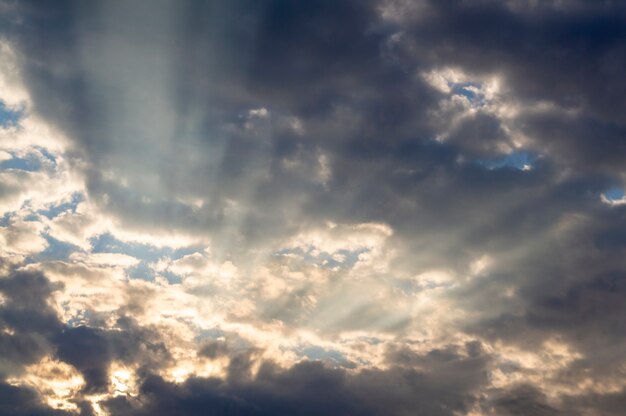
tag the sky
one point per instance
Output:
(321, 207)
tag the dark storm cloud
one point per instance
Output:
(573, 57)
(522, 400)
(479, 135)
(581, 141)
(27, 323)
(213, 349)
(91, 351)
(20, 401)
(26, 319)
(226, 59)
(32, 331)
(611, 404)
(230, 58)
(575, 284)
(568, 55)
(445, 384)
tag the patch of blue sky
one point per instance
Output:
(57, 250)
(341, 258)
(143, 271)
(614, 194)
(469, 90)
(107, 243)
(8, 116)
(521, 160)
(83, 317)
(320, 354)
(5, 220)
(69, 206)
(46, 154)
(172, 278)
(31, 217)
(31, 163)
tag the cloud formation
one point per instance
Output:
(326, 207)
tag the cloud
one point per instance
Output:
(23, 401)
(273, 207)
(310, 388)
(27, 319)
